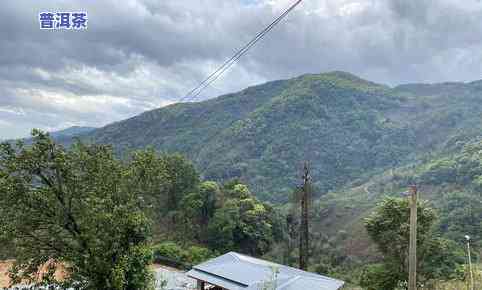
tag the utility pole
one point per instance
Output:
(470, 264)
(412, 259)
(304, 225)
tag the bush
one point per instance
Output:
(168, 249)
(174, 255)
(196, 255)
(379, 276)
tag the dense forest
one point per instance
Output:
(204, 178)
(347, 127)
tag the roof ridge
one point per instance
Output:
(299, 272)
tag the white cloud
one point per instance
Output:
(4, 123)
(12, 110)
(142, 54)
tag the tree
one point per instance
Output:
(388, 226)
(461, 214)
(81, 208)
(209, 193)
(197, 208)
(222, 228)
(183, 179)
(379, 276)
(243, 224)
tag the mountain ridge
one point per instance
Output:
(346, 126)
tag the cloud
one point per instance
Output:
(142, 54)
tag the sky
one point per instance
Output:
(138, 55)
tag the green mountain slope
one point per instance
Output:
(363, 141)
(263, 134)
(450, 179)
(72, 131)
(346, 127)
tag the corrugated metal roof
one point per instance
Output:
(235, 271)
(215, 280)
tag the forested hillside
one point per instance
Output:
(363, 140)
(365, 143)
(346, 127)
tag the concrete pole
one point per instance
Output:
(412, 259)
(470, 266)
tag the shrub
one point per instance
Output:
(379, 276)
(172, 254)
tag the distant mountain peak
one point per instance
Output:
(343, 79)
(72, 131)
(342, 74)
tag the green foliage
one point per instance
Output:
(210, 195)
(389, 228)
(197, 254)
(462, 167)
(197, 209)
(242, 224)
(170, 250)
(461, 214)
(380, 276)
(226, 218)
(183, 179)
(350, 129)
(191, 255)
(80, 207)
(460, 206)
(442, 259)
(263, 133)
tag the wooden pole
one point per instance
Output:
(304, 225)
(412, 260)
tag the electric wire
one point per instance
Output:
(196, 91)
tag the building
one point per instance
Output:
(234, 271)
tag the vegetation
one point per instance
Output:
(228, 218)
(388, 226)
(172, 252)
(365, 142)
(94, 214)
(78, 208)
(263, 134)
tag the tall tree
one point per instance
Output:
(388, 226)
(242, 223)
(303, 198)
(183, 179)
(197, 209)
(79, 207)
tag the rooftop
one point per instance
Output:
(235, 271)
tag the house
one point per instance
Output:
(234, 271)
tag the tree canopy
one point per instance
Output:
(82, 208)
(389, 227)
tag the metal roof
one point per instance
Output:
(235, 271)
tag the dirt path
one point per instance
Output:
(4, 266)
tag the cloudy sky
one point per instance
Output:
(138, 55)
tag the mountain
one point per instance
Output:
(263, 134)
(71, 132)
(363, 141)
(65, 136)
(346, 127)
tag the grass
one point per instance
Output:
(461, 285)
(445, 285)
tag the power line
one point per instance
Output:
(192, 94)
